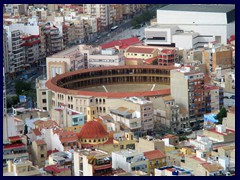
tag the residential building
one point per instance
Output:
(139, 104)
(22, 168)
(92, 163)
(128, 119)
(68, 119)
(167, 57)
(16, 149)
(187, 88)
(102, 11)
(141, 53)
(229, 121)
(156, 159)
(217, 56)
(54, 39)
(55, 170)
(14, 47)
(202, 143)
(149, 144)
(213, 98)
(171, 139)
(63, 159)
(6, 54)
(220, 134)
(129, 160)
(230, 82)
(32, 47)
(172, 171)
(196, 23)
(38, 10)
(168, 115)
(39, 152)
(42, 93)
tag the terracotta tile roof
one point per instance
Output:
(12, 146)
(212, 167)
(69, 139)
(155, 154)
(49, 152)
(141, 50)
(37, 132)
(14, 138)
(168, 98)
(46, 124)
(123, 44)
(55, 169)
(40, 142)
(169, 136)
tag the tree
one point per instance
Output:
(155, 62)
(12, 101)
(22, 86)
(221, 115)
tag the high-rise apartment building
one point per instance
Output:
(187, 88)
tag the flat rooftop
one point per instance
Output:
(219, 8)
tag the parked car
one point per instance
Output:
(188, 130)
(180, 132)
(226, 97)
(232, 97)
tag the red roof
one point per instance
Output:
(30, 37)
(49, 152)
(14, 138)
(12, 146)
(37, 132)
(123, 44)
(30, 43)
(40, 142)
(141, 50)
(92, 130)
(155, 154)
(55, 169)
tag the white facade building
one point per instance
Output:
(129, 160)
(200, 24)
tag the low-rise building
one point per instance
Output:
(92, 163)
(202, 143)
(55, 170)
(172, 171)
(39, 153)
(129, 160)
(22, 168)
(63, 159)
(16, 149)
(220, 134)
(156, 159)
(229, 121)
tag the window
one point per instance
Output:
(42, 155)
(43, 93)
(41, 148)
(44, 100)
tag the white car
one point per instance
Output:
(188, 130)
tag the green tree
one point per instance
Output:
(155, 62)
(221, 115)
(12, 101)
(22, 86)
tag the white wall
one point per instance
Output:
(187, 17)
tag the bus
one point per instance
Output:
(113, 28)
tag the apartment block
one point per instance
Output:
(32, 47)
(213, 98)
(218, 56)
(139, 104)
(187, 88)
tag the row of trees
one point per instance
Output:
(144, 17)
